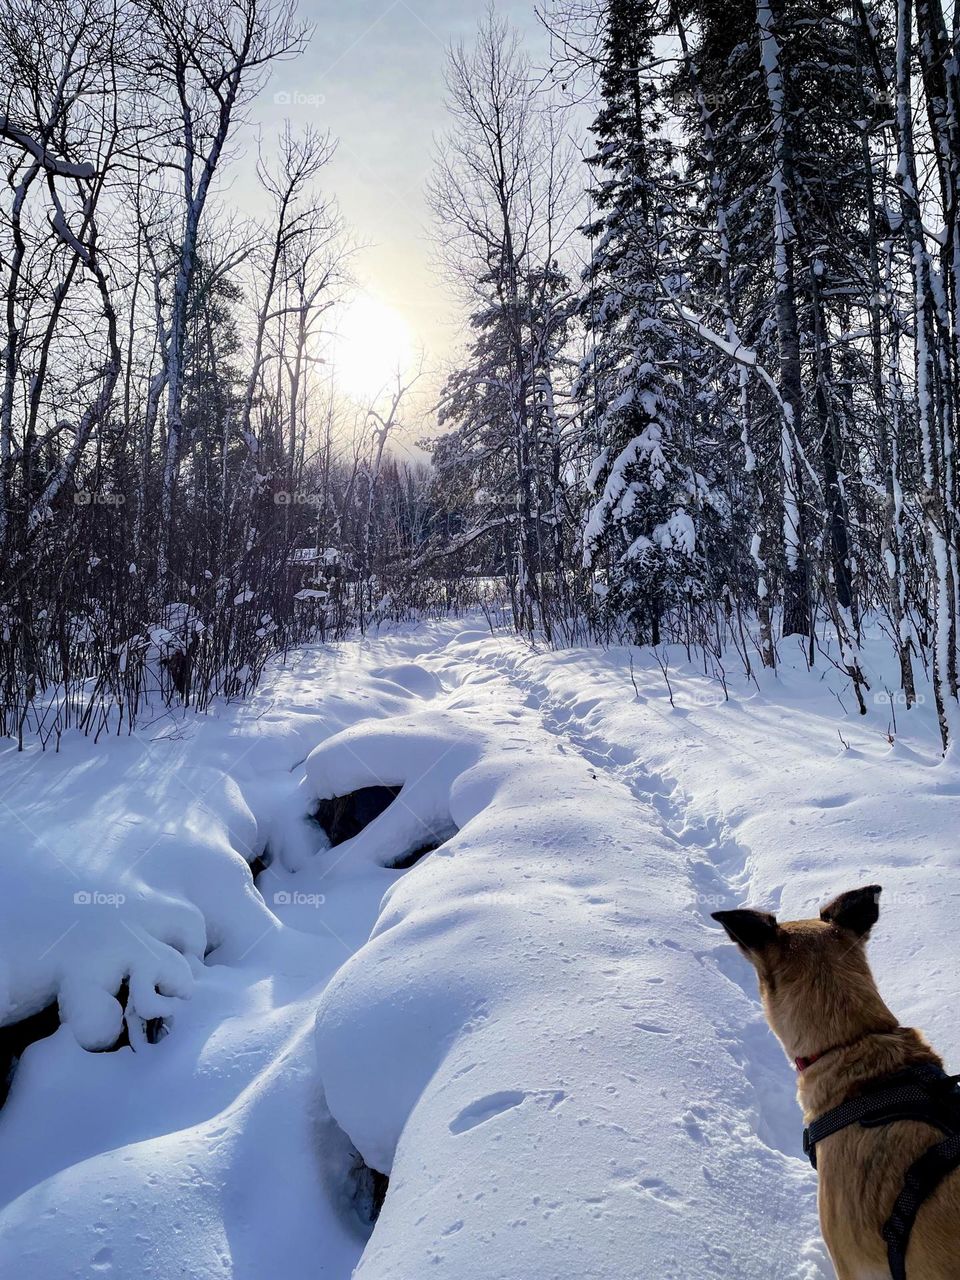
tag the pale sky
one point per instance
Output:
(373, 75)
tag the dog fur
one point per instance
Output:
(820, 998)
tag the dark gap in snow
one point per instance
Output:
(432, 840)
(369, 1190)
(355, 1189)
(154, 1029)
(343, 817)
(411, 859)
(260, 863)
(17, 1036)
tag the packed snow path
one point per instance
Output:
(535, 1029)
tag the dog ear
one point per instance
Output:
(748, 929)
(857, 910)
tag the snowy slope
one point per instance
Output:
(536, 1030)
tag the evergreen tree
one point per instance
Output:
(641, 534)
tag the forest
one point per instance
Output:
(708, 390)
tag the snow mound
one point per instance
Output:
(421, 761)
(542, 987)
(412, 677)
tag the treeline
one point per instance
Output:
(709, 391)
(722, 405)
(181, 490)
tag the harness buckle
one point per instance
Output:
(809, 1148)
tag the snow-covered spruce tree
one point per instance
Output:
(499, 195)
(934, 331)
(640, 539)
(475, 459)
(722, 90)
(814, 71)
(773, 99)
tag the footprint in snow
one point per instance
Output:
(830, 802)
(660, 1191)
(495, 1104)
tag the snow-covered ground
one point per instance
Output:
(536, 1029)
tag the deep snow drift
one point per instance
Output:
(505, 991)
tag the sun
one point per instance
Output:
(372, 342)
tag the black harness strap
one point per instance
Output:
(926, 1094)
(923, 1178)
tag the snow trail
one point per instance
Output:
(716, 867)
(637, 929)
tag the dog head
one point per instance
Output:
(815, 983)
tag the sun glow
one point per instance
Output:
(372, 342)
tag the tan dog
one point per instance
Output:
(821, 1001)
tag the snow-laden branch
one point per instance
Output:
(53, 164)
(748, 359)
(62, 228)
(462, 542)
